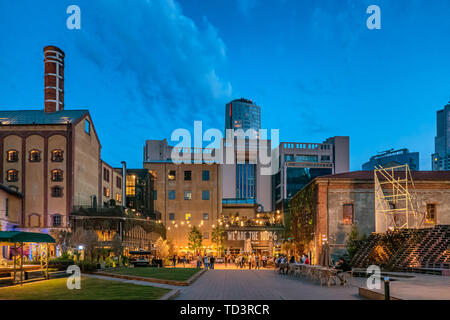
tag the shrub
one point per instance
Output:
(60, 264)
(87, 266)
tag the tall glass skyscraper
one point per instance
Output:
(440, 160)
(242, 114)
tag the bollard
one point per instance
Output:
(387, 294)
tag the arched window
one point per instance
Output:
(12, 175)
(57, 175)
(57, 192)
(35, 155)
(57, 155)
(12, 156)
(57, 221)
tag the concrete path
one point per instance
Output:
(247, 284)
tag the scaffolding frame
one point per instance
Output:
(399, 208)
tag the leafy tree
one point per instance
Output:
(88, 239)
(218, 237)
(162, 248)
(195, 239)
(352, 242)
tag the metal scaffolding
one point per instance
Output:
(395, 199)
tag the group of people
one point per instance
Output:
(253, 261)
(282, 262)
(207, 261)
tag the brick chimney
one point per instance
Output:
(53, 79)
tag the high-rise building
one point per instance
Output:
(392, 158)
(440, 160)
(242, 114)
(299, 163)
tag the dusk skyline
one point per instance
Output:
(147, 68)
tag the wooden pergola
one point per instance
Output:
(16, 240)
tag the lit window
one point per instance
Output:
(87, 126)
(57, 175)
(57, 155)
(13, 156)
(35, 156)
(130, 185)
(431, 214)
(172, 175)
(188, 216)
(205, 195)
(348, 213)
(187, 195)
(118, 197)
(106, 192)
(12, 175)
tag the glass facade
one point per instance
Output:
(242, 114)
(297, 178)
(245, 181)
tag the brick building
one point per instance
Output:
(327, 208)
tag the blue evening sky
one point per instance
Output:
(145, 68)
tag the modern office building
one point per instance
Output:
(302, 162)
(440, 160)
(242, 114)
(392, 158)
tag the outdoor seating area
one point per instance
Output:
(321, 274)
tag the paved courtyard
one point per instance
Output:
(221, 284)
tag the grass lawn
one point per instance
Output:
(177, 274)
(91, 289)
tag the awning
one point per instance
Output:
(20, 236)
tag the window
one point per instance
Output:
(325, 158)
(35, 156)
(348, 213)
(118, 197)
(306, 158)
(119, 182)
(57, 192)
(12, 175)
(155, 195)
(431, 213)
(106, 174)
(205, 195)
(187, 175)
(57, 155)
(130, 189)
(187, 195)
(12, 156)
(57, 175)
(172, 175)
(205, 175)
(87, 126)
(289, 157)
(206, 235)
(57, 220)
(187, 216)
(205, 216)
(171, 216)
(6, 207)
(172, 194)
(106, 192)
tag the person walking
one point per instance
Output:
(257, 260)
(205, 261)
(174, 260)
(184, 261)
(199, 261)
(211, 262)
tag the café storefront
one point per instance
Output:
(260, 240)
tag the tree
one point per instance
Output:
(162, 249)
(195, 239)
(218, 237)
(171, 247)
(86, 238)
